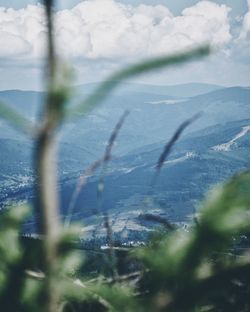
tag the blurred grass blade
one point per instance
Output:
(108, 154)
(80, 185)
(114, 135)
(170, 144)
(93, 167)
(143, 67)
(158, 219)
(16, 120)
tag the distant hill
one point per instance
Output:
(176, 91)
(210, 150)
(26, 102)
(198, 162)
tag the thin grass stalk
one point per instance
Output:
(108, 154)
(92, 168)
(106, 158)
(111, 251)
(113, 136)
(160, 163)
(170, 144)
(158, 219)
(107, 224)
(45, 158)
(80, 185)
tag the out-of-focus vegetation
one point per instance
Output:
(196, 270)
(178, 270)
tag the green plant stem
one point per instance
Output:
(48, 213)
(46, 159)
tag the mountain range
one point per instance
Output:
(212, 149)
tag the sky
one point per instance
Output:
(98, 37)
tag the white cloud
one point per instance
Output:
(12, 45)
(108, 29)
(246, 23)
(22, 32)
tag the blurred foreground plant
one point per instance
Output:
(179, 271)
(195, 270)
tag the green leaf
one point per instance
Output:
(143, 67)
(16, 120)
(225, 207)
(224, 215)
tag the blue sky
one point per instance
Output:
(100, 36)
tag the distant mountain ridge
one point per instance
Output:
(193, 168)
(198, 160)
(176, 91)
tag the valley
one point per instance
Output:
(211, 150)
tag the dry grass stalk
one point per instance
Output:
(108, 155)
(110, 242)
(80, 185)
(93, 167)
(114, 135)
(107, 225)
(170, 144)
(158, 219)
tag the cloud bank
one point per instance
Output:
(246, 23)
(107, 29)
